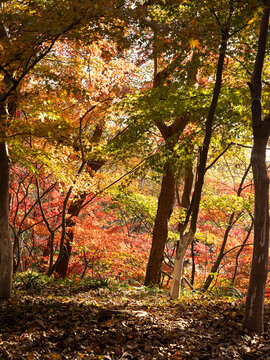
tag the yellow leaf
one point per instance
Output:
(194, 43)
(55, 356)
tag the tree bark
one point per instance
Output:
(6, 253)
(193, 269)
(160, 231)
(254, 312)
(7, 109)
(178, 263)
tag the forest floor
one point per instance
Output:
(77, 322)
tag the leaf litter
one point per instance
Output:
(125, 323)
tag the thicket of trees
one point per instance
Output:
(126, 133)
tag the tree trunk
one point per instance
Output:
(254, 313)
(6, 250)
(6, 253)
(178, 263)
(193, 270)
(255, 299)
(185, 204)
(160, 231)
(61, 264)
(62, 261)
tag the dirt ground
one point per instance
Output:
(124, 323)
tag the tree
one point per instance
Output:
(229, 23)
(254, 312)
(171, 134)
(90, 78)
(28, 33)
(186, 238)
(24, 40)
(224, 24)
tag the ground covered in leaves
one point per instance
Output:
(53, 321)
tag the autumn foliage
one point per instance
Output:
(100, 109)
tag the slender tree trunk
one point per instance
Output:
(240, 251)
(61, 264)
(160, 231)
(179, 262)
(193, 270)
(232, 220)
(184, 203)
(16, 248)
(218, 260)
(185, 239)
(254, 314)
(189, 177)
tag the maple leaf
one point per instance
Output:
(194, 43)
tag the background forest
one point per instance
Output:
(129, 132)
